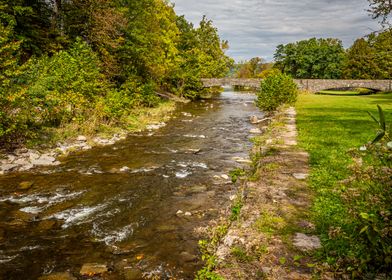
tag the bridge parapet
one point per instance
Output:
(312, 85)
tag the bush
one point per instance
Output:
(50, 92)
(275, 91)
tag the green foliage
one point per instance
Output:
(250, 69)
(236, 208)
(131, 50)
(275, 91)
(370, 58)
(207, 249)
(383, 131)
(269, 72)
(65, 86)
(311, 59)
(237, 173)
(360, 63)
(241, 255)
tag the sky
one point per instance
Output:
(255, 27)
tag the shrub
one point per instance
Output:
(64, 87)
(275, 91)
(51, 91)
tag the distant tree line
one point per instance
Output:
(367, 58)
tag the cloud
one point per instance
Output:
(256, 27)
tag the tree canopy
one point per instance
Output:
(311, 59)
(110, 55)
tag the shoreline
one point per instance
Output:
(267, 235)
(26, 159)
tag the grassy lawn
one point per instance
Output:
(358, 91)
(329, 126)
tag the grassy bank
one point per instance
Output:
(136, 120)
(348, 191)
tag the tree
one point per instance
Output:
(381, 9)
(151, 35)
(251, 68)
(101, 23)
(9, 48)
(311, 59)
(361, 63)
(214, 62)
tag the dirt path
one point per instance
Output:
(272, 237)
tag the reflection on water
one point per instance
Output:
(135, 204)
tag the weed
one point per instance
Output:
(241, 255)
(236, 174)
(268, 223)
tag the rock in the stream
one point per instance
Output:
(124, 169)
(255, 131)
(81, 138)
(305, 242)
(241, 160)
(8, 167)
(34, 156)
(21, 161)
(187, 257)
(254, 120)
(131, 273)
(58, 276)
(91, 269)
(26, 185)
(44, 160)
(224, 176)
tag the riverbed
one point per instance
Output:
(137, 206)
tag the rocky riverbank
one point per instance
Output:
(24, 159)
(271, 237)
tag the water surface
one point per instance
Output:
(117, 204)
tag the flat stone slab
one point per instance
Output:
(306, 243)
(300, 176)
(255, 131)
(91, 269)
(58, 276)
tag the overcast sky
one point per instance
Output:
(256, 27)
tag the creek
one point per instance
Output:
(119, 205)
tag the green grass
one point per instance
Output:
(349, 92)
(329, 126)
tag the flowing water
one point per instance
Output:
(118, 204)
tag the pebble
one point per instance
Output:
(124, 169)
(91, 269)
(179, 212)
(58, 276)
(300, 176)
(81, 138)
(25, 185)
(255, 131)
(187, 257)
(305, 242)
(188, 214)
(224, 176)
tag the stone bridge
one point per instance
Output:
(312, 85)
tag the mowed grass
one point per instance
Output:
(357, 91)
(338, 92)
(329, 126)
